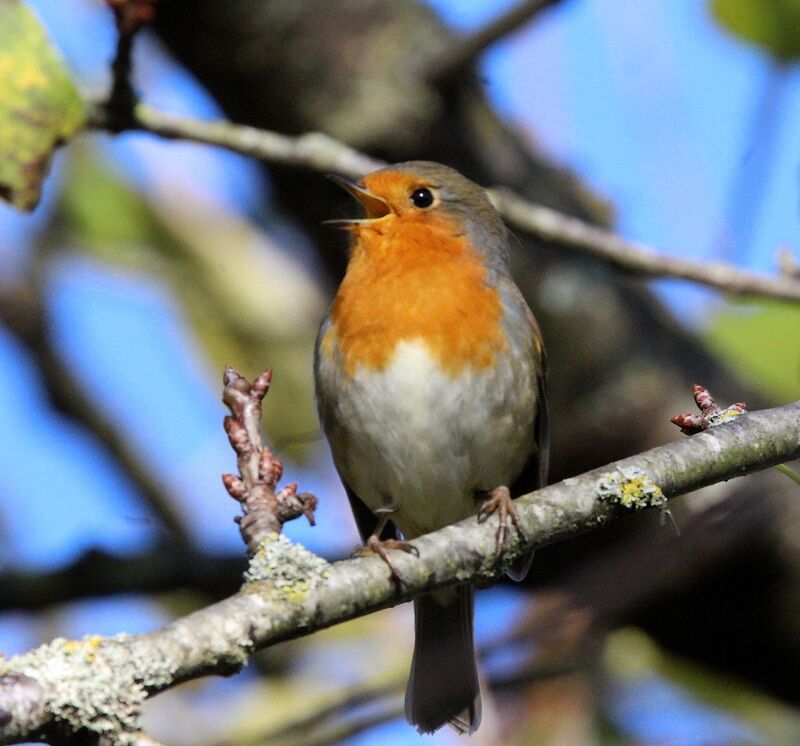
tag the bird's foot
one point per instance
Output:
(382, 547)
(499, 501)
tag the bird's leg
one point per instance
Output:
(375, 545)
(499, 501)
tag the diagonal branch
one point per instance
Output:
(22, 312)
(320, 152)
(464, 52)
(313, 150)
(60, 687)
(637, 258)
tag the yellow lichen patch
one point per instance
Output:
(86, 647)
(73, 646)
(631, 488)
(726, 415)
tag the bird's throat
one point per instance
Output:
(424, 283)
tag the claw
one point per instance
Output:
(499, 501)
(375, 545)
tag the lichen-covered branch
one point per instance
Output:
(323, 153)
(98, 685)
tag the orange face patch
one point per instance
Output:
(414, 277)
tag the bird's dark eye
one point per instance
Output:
(422, 198)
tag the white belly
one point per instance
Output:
(415, 440)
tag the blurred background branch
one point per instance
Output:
(23, 314)
(322, 153)
(464, 53)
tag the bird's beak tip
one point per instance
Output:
(375, 207)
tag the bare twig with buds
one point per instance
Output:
(130, 16)
(265, 507)
(711, 414)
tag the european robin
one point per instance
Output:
(429, 372)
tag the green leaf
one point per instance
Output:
(39, 105)
(773, 25)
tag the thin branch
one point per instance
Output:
(319, 152)
(637, 258)
(320, 726)
(22, 312)
(162, 569)
(788, 472)
(265, 507)
(466, 51)
(129, 16)
(66, 683)
(311, 728)
(313, 150)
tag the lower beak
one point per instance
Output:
(374, 207)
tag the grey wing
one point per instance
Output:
(534, 473)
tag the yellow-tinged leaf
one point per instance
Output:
(773, 25)
(39, 105)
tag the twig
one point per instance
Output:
(312, 150)
(711, 414)
(464, 52)
(788, 472)
(629, 256)
(265, 507)
(130, 16)
(319, 727)
(322, 153)
(296, 592)
(301, 729)
(22, 312)
(164, 568)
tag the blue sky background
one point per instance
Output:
(650, 102)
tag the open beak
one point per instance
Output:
(374, 207)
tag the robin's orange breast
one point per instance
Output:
(415, 279)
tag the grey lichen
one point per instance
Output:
(290, 568)
(631, 488)
(94, 684)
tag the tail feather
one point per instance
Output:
(443, 685)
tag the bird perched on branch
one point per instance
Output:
(429, 372)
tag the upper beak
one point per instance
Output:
(374, 207)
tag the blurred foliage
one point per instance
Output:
(39, 105)
(631, 655)
(249, 304)
(761, 340)
(310, 691)
(773, 25)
